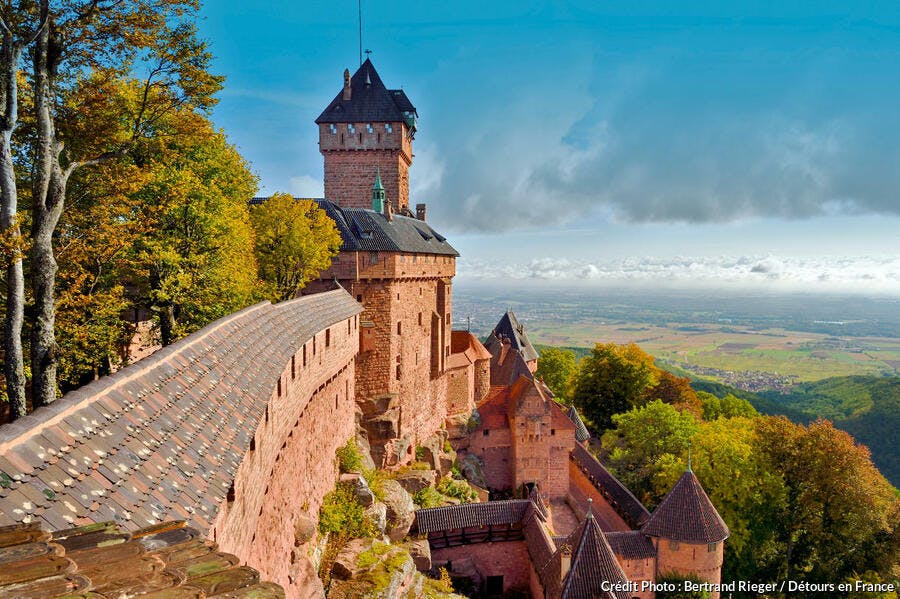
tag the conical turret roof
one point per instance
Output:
(593, 562)
(687, 514)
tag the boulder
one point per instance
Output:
(363, 493)
(420, 551)
(472, 468)
(383, 426)
(304, 529)
(362, 442)
(376, 406)
(378, 513)
(304, 581)
(401, 511)
(414, 481)
(346, 564)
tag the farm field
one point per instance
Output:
(753, 343)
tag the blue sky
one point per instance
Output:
(728, 144)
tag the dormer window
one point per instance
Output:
(388, 128)
(369, 128)
(332, 129)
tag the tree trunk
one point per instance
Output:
(48, 194)
(14, 365)
(167, 324)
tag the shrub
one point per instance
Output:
(428, 497)
(375, 478)
(343, 515)
(420, 453)
(438, 587)
(458, 489)
(349, 456)
(447, 446)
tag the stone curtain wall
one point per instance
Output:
(292, 464)
(508, 559)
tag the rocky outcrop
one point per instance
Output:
(378, 513)
(420, 551)
(414, 481)
(305, 583)
(347, 564)
(471, 467)
(400, 510)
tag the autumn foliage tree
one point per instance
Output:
(295, 240)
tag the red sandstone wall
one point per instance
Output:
(638, 570)
(460, 387)
(581, 489)
(351, 158)
(482, 379)
(687, 558)
(507, 559)
(495, 452)
(291, 465)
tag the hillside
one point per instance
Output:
(867, 407)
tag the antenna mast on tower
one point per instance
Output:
(359, 9)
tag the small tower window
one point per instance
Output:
(388, 128)
(711, 547)
(351, 129)
(673, 545)
(332, 129)
(327, 337)
(369, 128)
(399, 328)
(360, 138)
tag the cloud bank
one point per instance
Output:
(861, 274)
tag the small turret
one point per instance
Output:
(377, 192)
(688, 532)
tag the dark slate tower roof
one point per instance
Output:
(510, 328)
(365, 230)
(687, 514)
(593, 563)
(370, 101)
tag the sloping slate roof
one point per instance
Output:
(593, 562)
(686, 514)
(470, 515)
(540, 547)
(510, 328)
(632, 544)
(581, 431)
(369, 101)
(102, 561)
(620, 498)
(508, 370)
(364, 230)
(163, 438)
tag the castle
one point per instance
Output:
(232, 429)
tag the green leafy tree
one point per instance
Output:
(646, 445)
(725, 407)
(612, 379)
(556, 367)
(295, 241)
(838, 514)
(196, 263)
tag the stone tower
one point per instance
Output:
(688, 533)
(364, 127)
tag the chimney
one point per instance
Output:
(504, 349)
(388, 211)
(420, 212)
(347, 89)
(565, 561)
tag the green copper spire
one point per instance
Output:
(377, 192)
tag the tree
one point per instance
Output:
(838, 515)
(16, 36)
(295, 240)
(676, 391)
(644, 445)
(726, 407)
(612, 379)
(557, 366)
(195, 262)
(103, 38)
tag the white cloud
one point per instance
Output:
(862, 274)
(305, 186)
